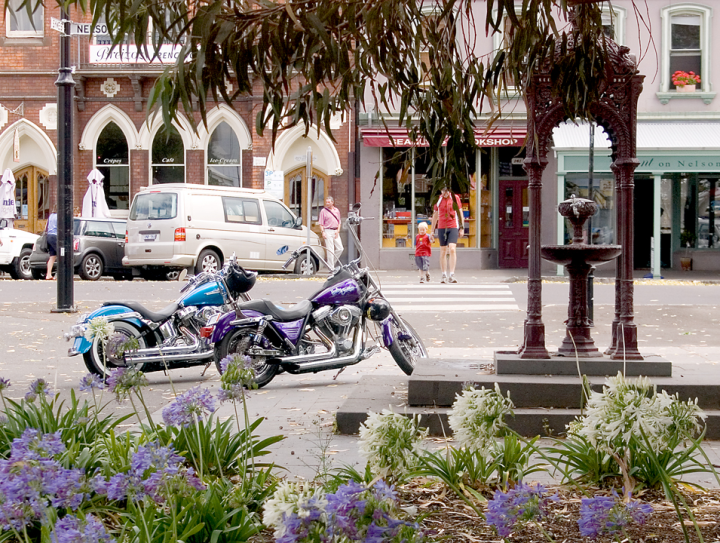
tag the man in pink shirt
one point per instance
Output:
(329, 222)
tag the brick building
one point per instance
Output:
(113, 133)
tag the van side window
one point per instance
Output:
(99, 229)
(278, 214)
(241, 210)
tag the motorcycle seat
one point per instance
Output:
(164, 314)
(296, 312)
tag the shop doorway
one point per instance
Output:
(296, 187)
(513, 224)
(644, 216)
(32, 197)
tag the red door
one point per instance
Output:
(513, 231)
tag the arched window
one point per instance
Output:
(224, 157)
(168, 157)
(112, 159)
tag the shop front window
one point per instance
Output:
(224, 157)
(168, 157)
(111, 158)
(408, 198)
(602, 224)
(700, 201)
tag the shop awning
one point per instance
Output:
(498, 136)
(671, 136)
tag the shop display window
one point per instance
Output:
(408, 198)
(602, 224)
(700, 208)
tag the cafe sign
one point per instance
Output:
(132, 54)
(649, 163)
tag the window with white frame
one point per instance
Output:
(168, 157)
(21, 24)
(613, 20)
(224, 157)
(685, 43)
(430, 16)
(112, 159)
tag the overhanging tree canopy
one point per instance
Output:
(313, 58)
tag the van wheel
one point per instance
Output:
(303, 267)
(208, 261)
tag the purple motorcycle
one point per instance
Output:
(342, 324)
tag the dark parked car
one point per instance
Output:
(98, 248)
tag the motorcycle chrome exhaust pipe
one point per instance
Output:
(327, 363)
(169, 357)
(158, 354)
(312, 357)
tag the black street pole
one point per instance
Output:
(65, 85)
(591, 196)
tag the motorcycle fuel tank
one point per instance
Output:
(345, 292)
(209, 293)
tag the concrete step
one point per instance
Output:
(374, 394)
(437, 382)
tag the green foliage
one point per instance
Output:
(577, 460)
(316, 59)
(220, 449)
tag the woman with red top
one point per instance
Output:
(449, 224)
(423, 252)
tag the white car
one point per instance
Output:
(15, 249)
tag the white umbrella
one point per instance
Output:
(7, 195)
(94, 204)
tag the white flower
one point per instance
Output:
(391, 442)
(289, 498)
(628, 408)
(476, 418)
(99, 327)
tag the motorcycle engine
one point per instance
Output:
(194, 318)
(337, 323)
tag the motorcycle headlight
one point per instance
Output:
(77, 330)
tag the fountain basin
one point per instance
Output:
(580, 253)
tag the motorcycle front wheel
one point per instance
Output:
(95, 359)
(406, 348)
(239, 342)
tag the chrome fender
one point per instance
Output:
(114, 313)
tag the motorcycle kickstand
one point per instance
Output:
(339, 372)
(206, 368)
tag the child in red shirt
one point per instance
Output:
(423, 252)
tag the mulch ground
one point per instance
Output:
(451, 520)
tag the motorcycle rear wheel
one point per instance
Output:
(406, 351)
(238, 342)
(95, 359)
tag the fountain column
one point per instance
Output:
(534, 336)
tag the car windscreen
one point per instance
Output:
(155, 206)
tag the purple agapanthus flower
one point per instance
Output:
(156, 473)
(31, 480)
(383, 491)
(189, 408)
(70, 529)
(609, 515)
(124, 380)
(520, 504)
(4, 384)
(90, 382)
(39, 387)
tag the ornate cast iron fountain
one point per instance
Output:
(616, 112)
(578, 258)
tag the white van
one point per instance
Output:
(175, 226)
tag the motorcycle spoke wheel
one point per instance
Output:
(95, 358)
(239, 342)
(406, 349)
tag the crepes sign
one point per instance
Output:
(132, 54)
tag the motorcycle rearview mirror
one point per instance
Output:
(356, 207)
(298, 222)
(182, 275)
(3, 223)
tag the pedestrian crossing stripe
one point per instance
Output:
(451, 297)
